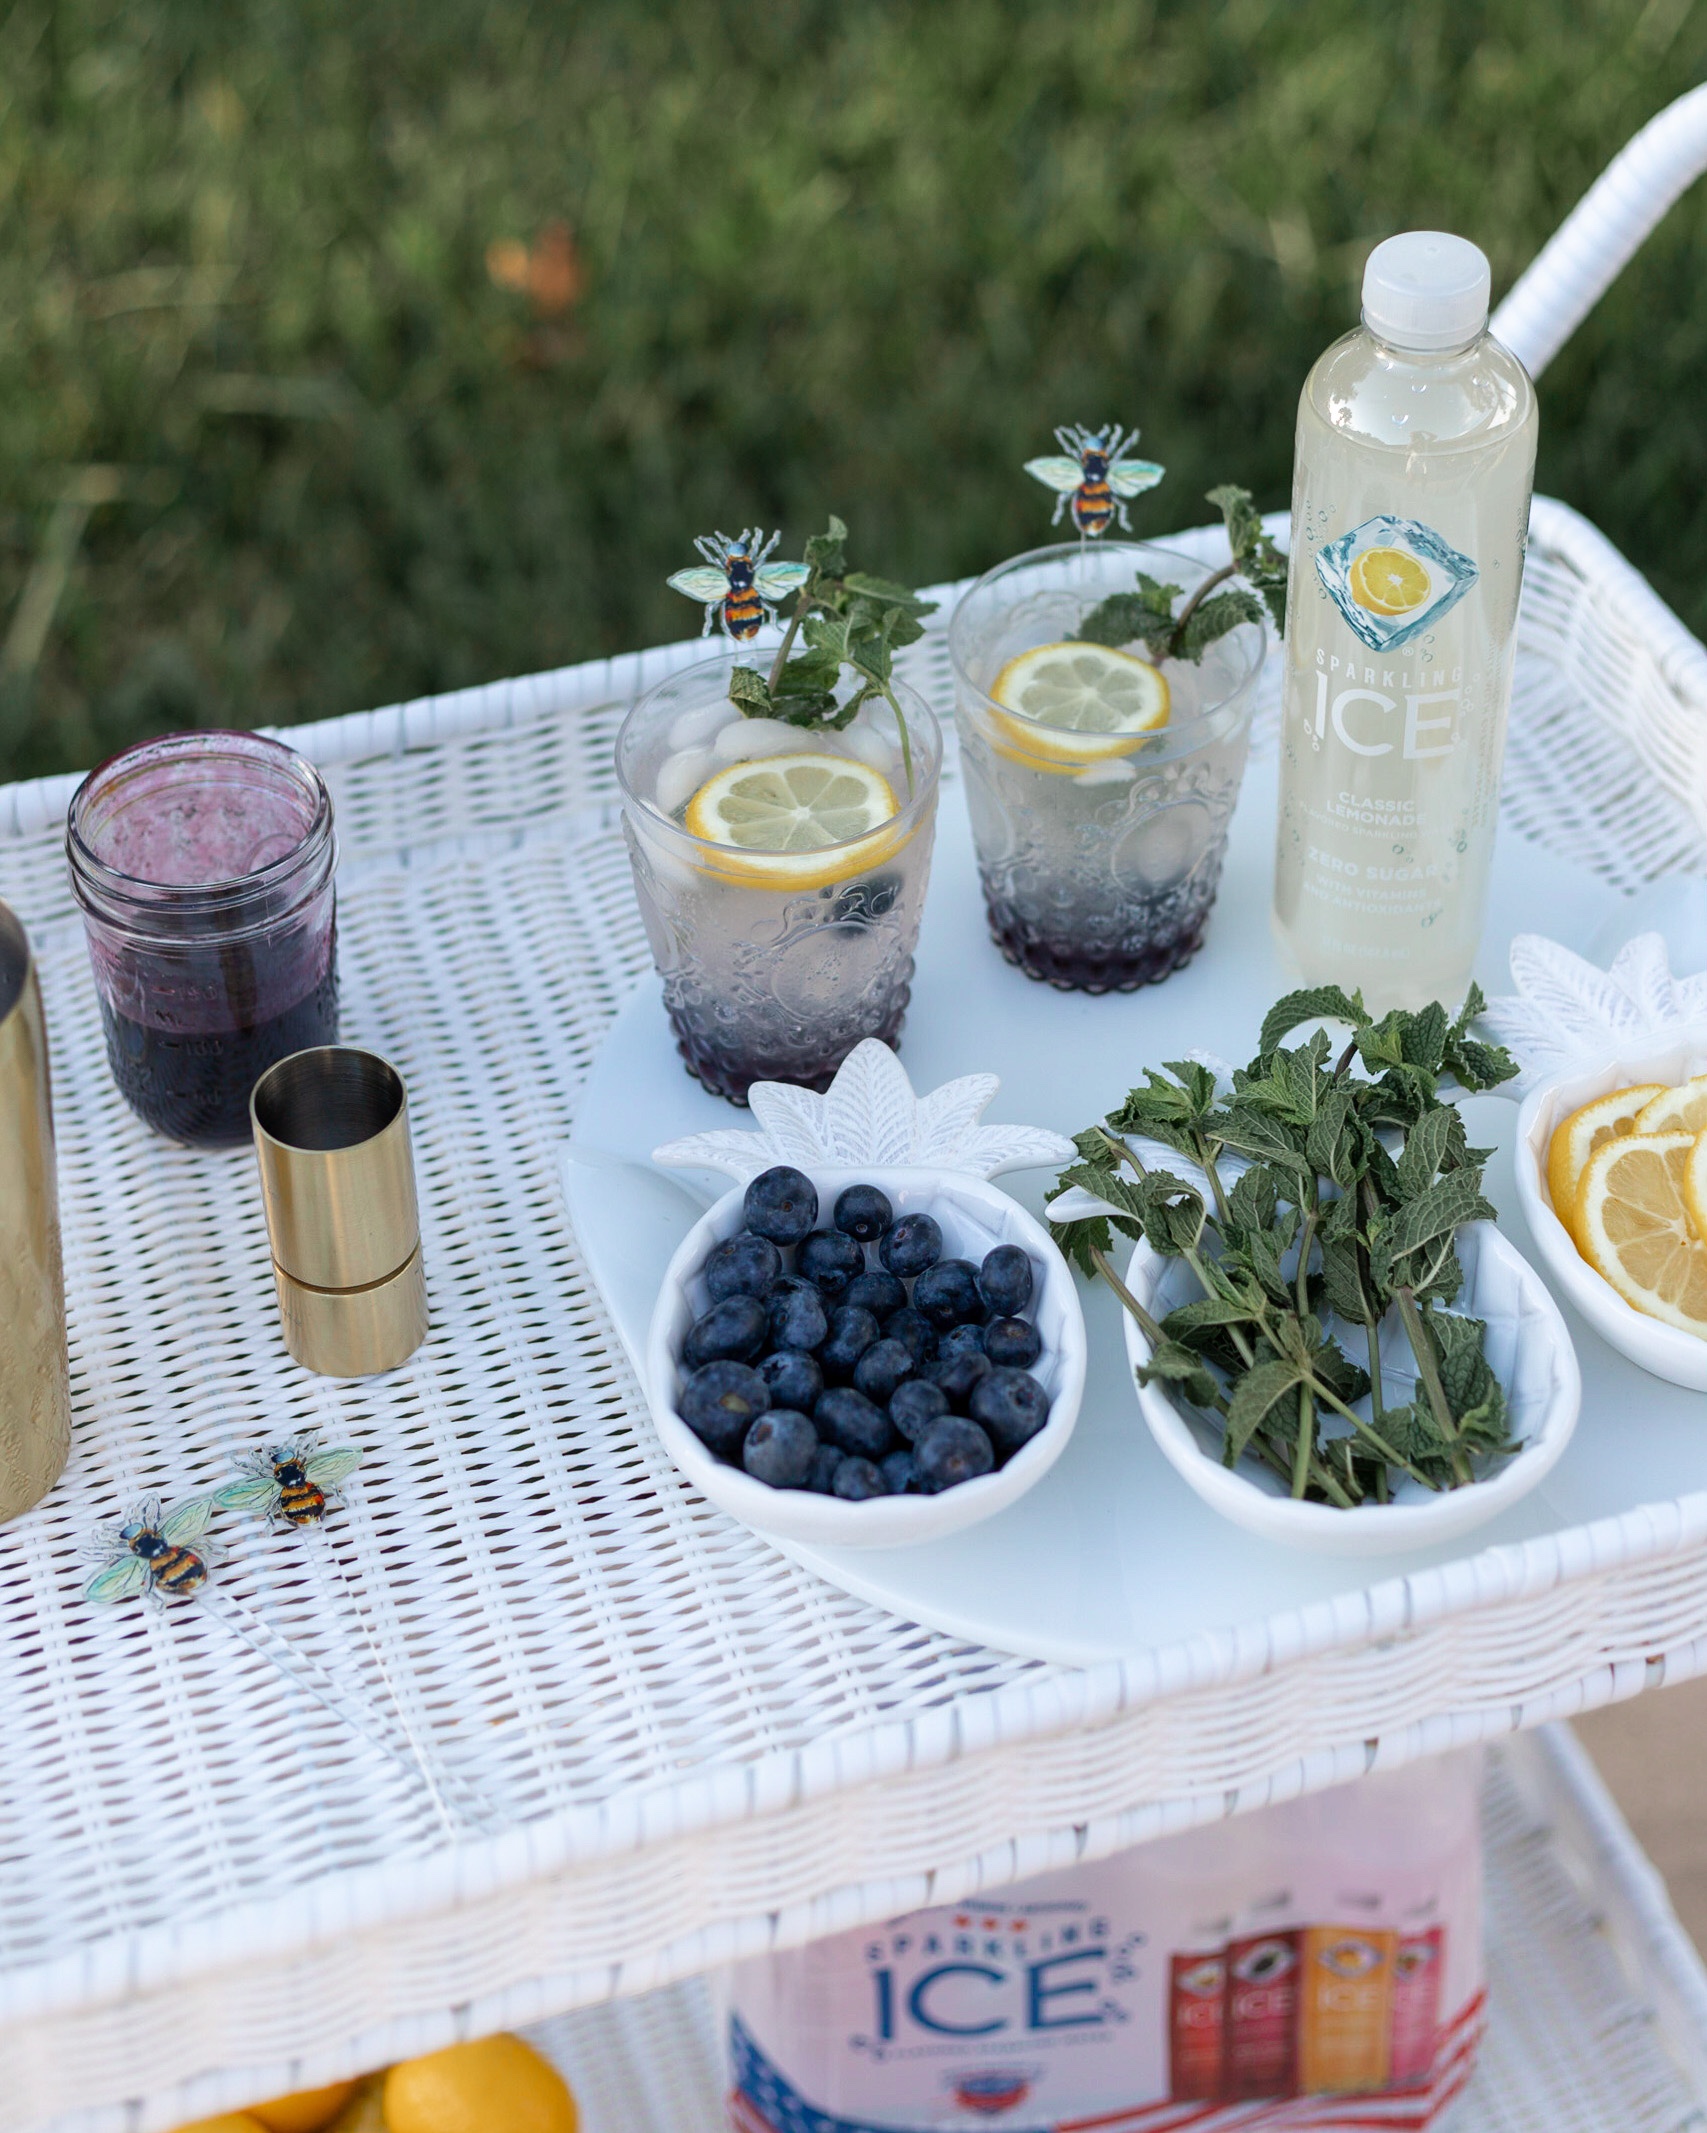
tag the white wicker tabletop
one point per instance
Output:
(652, 1741)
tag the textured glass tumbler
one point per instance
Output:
(774, 965)
(1098, 873)
(204, 864)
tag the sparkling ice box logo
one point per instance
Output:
(1392, 578)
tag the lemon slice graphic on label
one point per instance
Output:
(795, 821)
(1387, 581)
(1077, 704)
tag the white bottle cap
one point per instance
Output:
(1426, 290)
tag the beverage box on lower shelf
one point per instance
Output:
(1318, 1964)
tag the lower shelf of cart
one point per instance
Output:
(1597, 2003)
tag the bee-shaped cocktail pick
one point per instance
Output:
(290, 1484)
(154, 1555)
(738, 586)
(1092, 477)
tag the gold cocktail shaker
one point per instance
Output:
(35, 1391)
(331, 1132)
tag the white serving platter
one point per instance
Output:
(1111, 1553)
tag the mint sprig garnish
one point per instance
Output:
(847, 618)
(1353, 1190)
(1147, 616)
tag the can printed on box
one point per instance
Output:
(1260, 2039)
(1416, 2006)
(1345, 2009)
(1197, 1987)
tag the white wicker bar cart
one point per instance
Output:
(651, 1741)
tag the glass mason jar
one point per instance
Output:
(1100, 860)
(774, 964)
(203, 863)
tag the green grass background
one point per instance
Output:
(857, 257)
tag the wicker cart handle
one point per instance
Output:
(1590, 247)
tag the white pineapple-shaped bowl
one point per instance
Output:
(927, 1153)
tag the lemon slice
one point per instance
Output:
(1636, 1230)
(1680, 1110)
(1576, 1138)
(780, 819)
(1386, 581)
(1078, 704)
(1695, 1186)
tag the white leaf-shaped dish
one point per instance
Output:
(1666, 1351)
(1528, 1347)
(870, 1115)
(1568, 1014)
(975, 1218)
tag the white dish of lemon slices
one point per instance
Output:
(1617, 1201)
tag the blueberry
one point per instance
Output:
(901, 1473)
(731, 1331)
(719, 1401)
(830, 1260)
(863, 1212)
(781, 1204)
(848, 1419)
(857, 1480)
(913, 1332)
(911, 1245)
(742, 1266)
(947, 1293)
(1005, 1280)
(958, 1338)
(877, 1291)
(794, 1379)
(826, 1464)
(1012, 1406)
(914, 1405)
(1012, 1343)
(949, 1452)
(781, 1449)
(852, 1331)
(881, 1368)
(797, 1317)
(955, 1375)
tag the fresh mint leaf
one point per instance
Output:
(1145, 617)
(1253, 1396)
(749, 692)
(1222, 612)
(1316, 1003)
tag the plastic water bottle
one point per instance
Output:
(1410, 514)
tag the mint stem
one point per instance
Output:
(1218, 577)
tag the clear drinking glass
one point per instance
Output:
(775, 965)
(1098, 876)
(204, 864)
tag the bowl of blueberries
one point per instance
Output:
(866, 1359)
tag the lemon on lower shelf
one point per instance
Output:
(496, 2085)
(1627, 1175)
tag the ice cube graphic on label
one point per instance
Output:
(1393, 578)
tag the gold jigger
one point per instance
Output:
(35, 1391)
(338, 1181)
